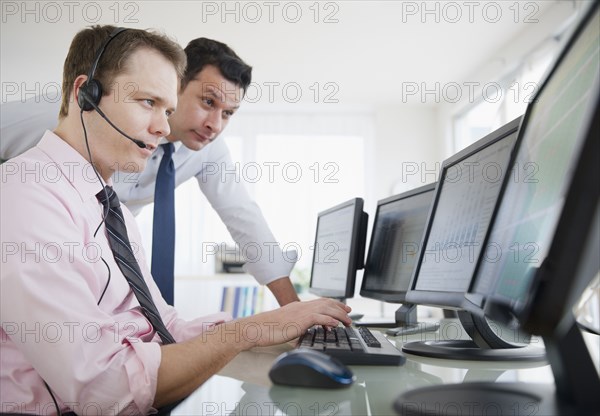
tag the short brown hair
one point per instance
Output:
(86, 43)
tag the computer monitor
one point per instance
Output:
(559, 214)
(468, 189)
(393, 249)
(339, 249)
(558, 137)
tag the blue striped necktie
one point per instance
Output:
(121, 248)
(163, 228)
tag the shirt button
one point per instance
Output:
(137, 184)
(154, 157)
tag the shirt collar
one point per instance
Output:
(177, 144)
(73, 166)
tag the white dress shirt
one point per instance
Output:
(23, 123)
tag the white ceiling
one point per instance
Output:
(361, 53)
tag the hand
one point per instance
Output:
(292, 320)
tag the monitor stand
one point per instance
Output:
(489, 342)
(405, 324)
(576, 392)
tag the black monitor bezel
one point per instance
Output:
(453, 300)
(390, 296)
(354, 262)
(551, 293)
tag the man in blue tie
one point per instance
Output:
(211, 91)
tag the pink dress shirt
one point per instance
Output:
(97, 358)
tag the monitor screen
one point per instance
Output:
(395, 240)
(339, 249)
(466, 195)
(558, 138)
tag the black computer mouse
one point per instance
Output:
(310, 368)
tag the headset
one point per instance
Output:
(90, 93)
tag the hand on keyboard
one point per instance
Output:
(292, 320)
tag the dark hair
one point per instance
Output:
(202, 52)
(113, 62)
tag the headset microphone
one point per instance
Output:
(85, 96)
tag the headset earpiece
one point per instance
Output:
(92, 87)
(91, 90)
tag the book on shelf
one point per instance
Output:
(241, 301)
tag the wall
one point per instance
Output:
(407, 147)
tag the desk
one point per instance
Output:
(243, 386)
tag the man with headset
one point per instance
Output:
(211, 91)
(83, 323)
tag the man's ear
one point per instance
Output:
(88, 92)
(79, 81)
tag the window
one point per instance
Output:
(293, 166)
(504, 101)
(310, 174)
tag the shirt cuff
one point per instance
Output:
(268, 267)
(185, 330)
(142, 374)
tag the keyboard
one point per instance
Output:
(357, 346)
